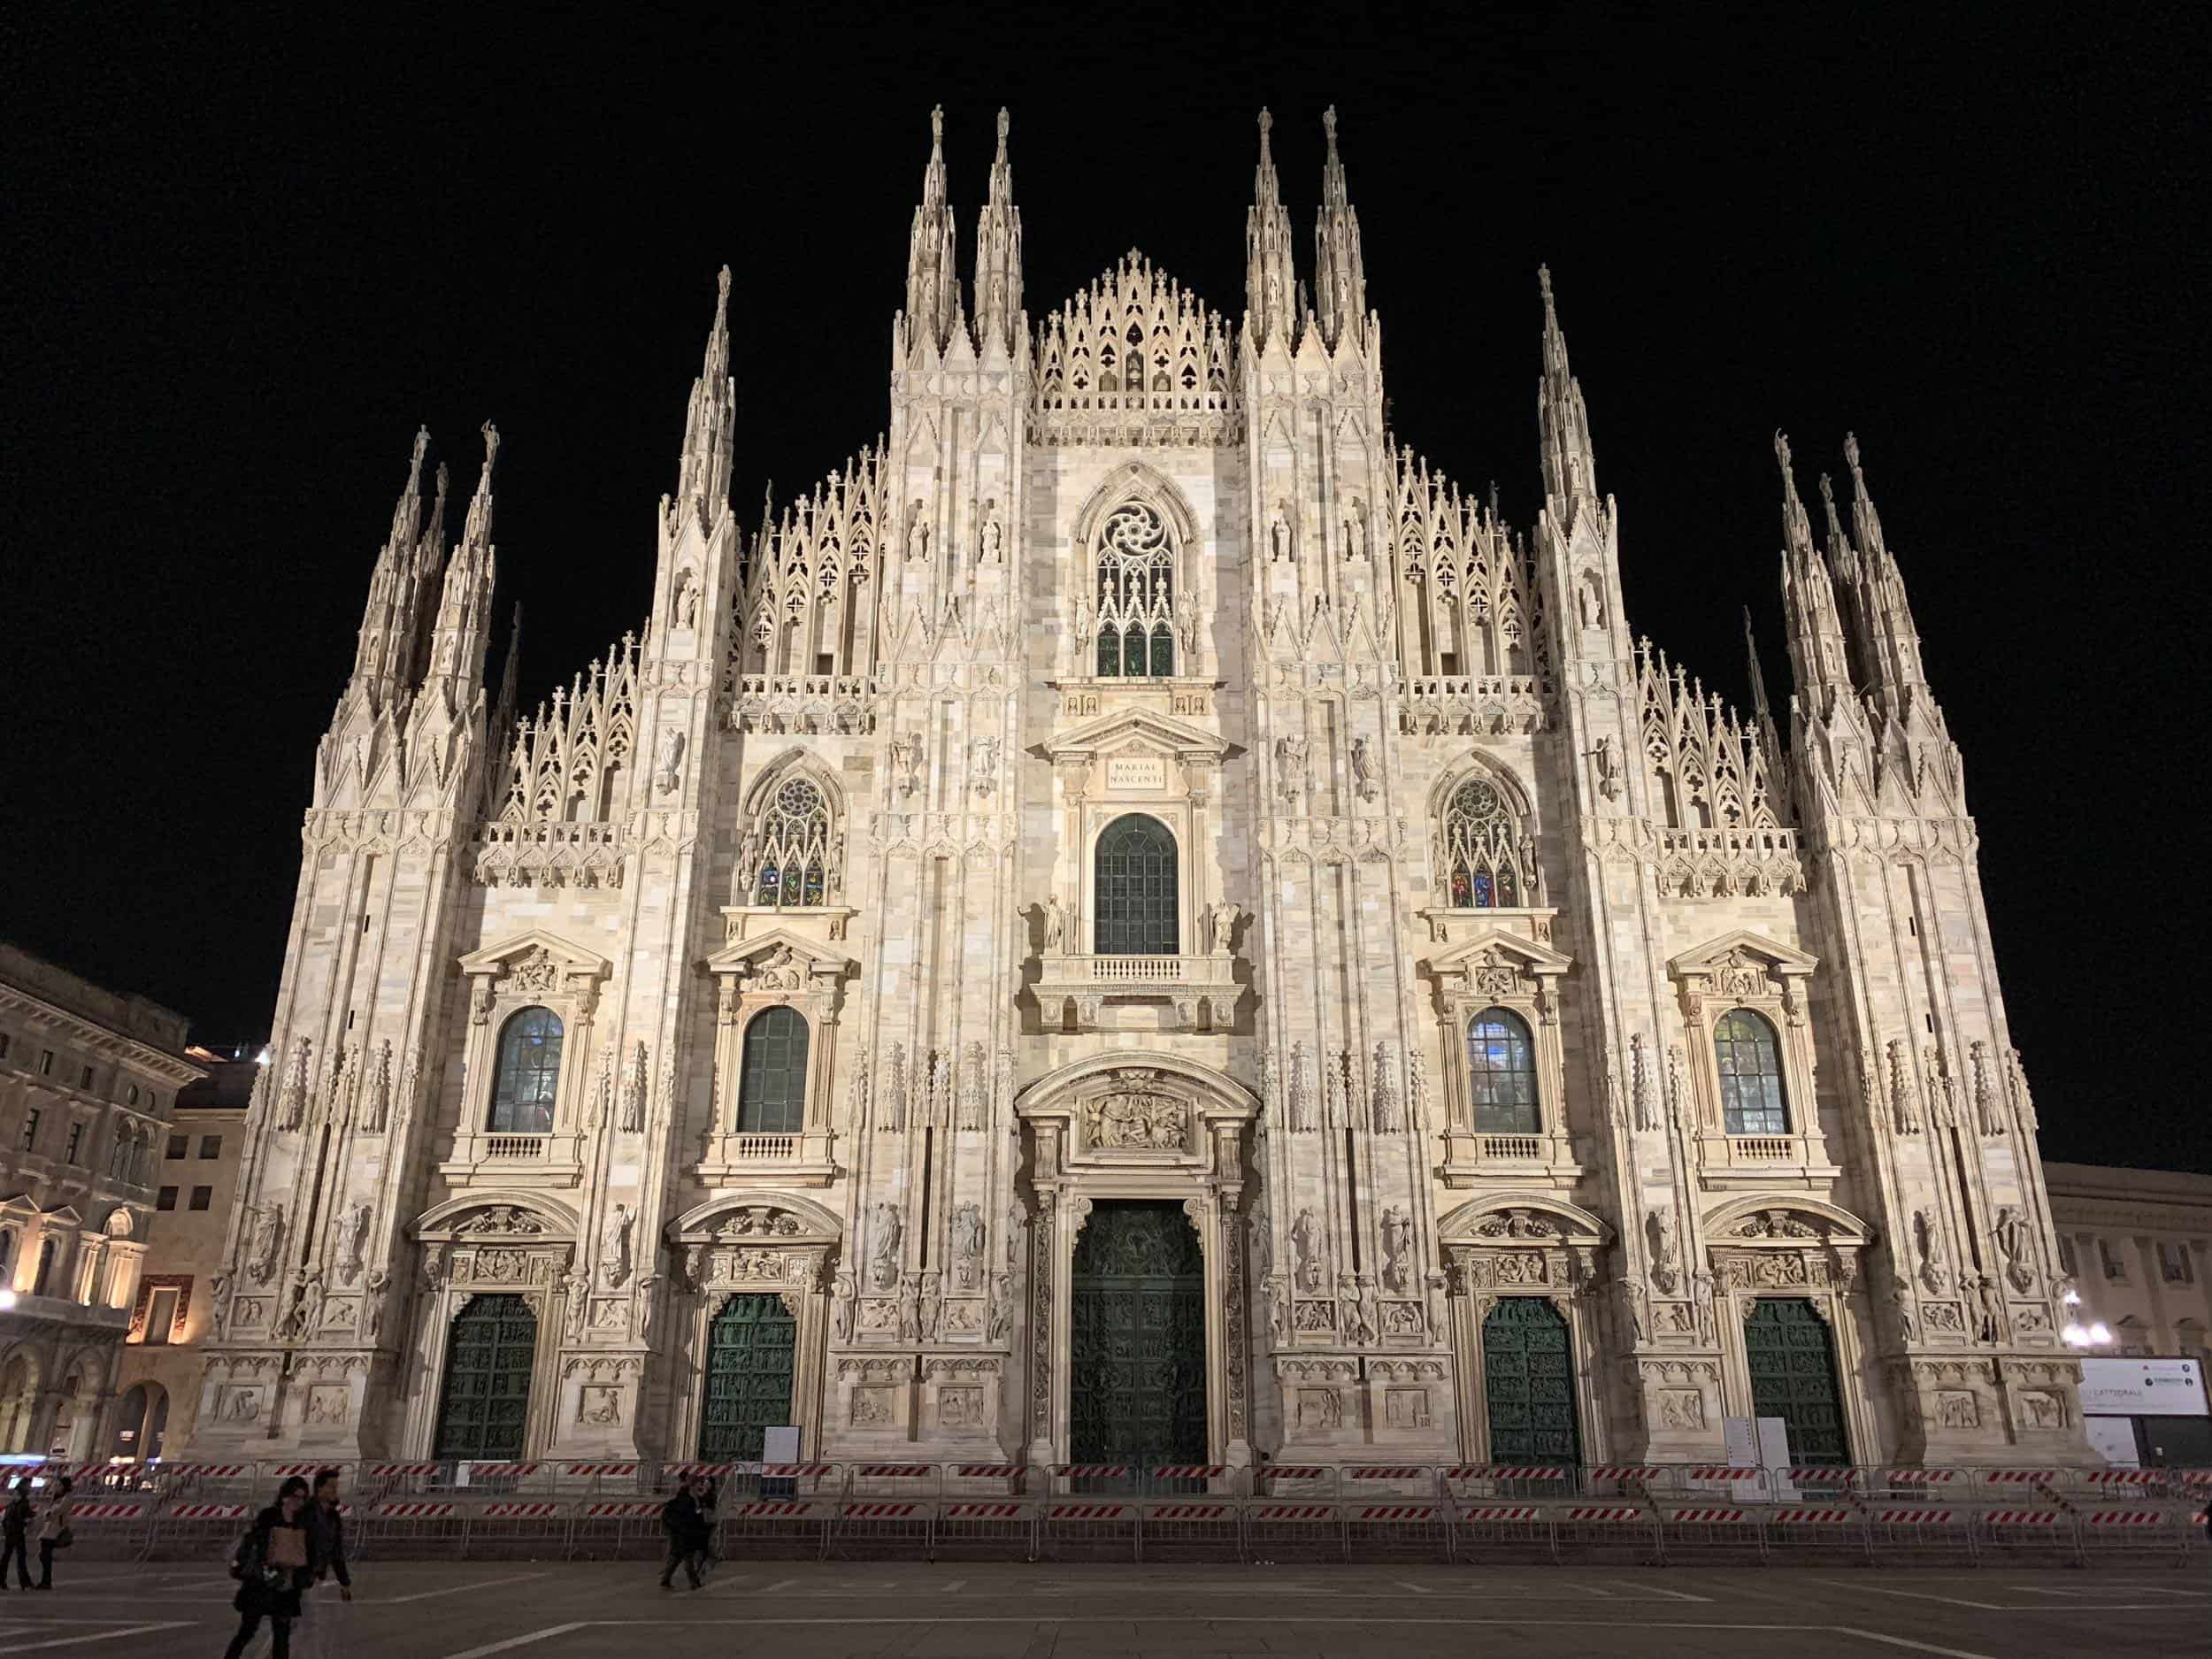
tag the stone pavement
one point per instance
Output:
(807, 1610)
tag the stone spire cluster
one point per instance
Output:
(933, 295)
(1271, 281)
(998, 260)
(703, 482)
(1339, 276)
(1568, 457)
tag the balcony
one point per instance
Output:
(481, 1158)
(1198, 993)
(798, 1159)
(1720, 863)
(1540, 1161)
(1791, 1160)
(498, 1147)
(803, 702)
(1472, 705)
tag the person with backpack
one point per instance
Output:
(274, 1563)
(15, 1528)
(322, 1622)
(686, 1536)
(53, 1531)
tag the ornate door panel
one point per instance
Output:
(488, 1358)
(750, 1348)
(1528, 1382)
(1137, 1359)
(1793, 1366)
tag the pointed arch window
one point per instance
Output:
(528, 1074)
(1136, 595)
(1502, 1072)
(1751, 1097)
(1135, 890)
(771, 1075)
(793, 865)
(1489, 863)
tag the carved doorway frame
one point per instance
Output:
(1137, 1126)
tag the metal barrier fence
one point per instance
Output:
(1269, 1512)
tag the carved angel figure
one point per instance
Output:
(1366, 771)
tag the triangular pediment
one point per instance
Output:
(572, 958)
(817, 958)
(1493, 943)
(1786, 959)
(1128, 728)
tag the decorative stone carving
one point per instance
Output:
(1305, 1250)
(968, 1240)
(1989, 1111)
(1135, 1115)
(1302, 1104)
(885, 1237)
(1659, 1231)
(1928, 1240)
(1904, 1109)
(1397, 1245)
(615, 1245)
(268, 1240)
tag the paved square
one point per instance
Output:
(810, 1610)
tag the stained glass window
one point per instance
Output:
(1136, 888)
(528, 1074)
(1487, 863)
(1502, 1071)
(1751, 1096)
(771, 1075)
(794, 847)
(1136, 596)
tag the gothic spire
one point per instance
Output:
(1340, 279)
(389, 620)
(998, 255)
(1270, 277)
(1759, 708)
(1808, 600)
(1562, 420)
(931, 301)
(456, 652)
(1893, 647)
(703, 482)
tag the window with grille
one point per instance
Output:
(1136, 595)
(793, 860)
(1487, 861)
(528, 1075)
(1502, 1073)
(179, 1145)
(1750, 1061)
(1135, 891)
(771, 1075)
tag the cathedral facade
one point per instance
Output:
(1136, 923)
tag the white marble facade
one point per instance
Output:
(1416, 774)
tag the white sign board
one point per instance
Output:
(1759, 1443)
(2113, 1438)
(2136, 1388)
(779, 1445)
(1137, 771)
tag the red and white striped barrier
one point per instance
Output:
(795, 1471)
(521, 1511)
(413, 1511)
(106, 1511)
(1503, 1512)
(1509, 1471)
(2019, 1477)
(612, 1511)
(1291, 1512)
(1090, 1472)
(288, 1470)
(1086, 1511)
(502, 1471)
(1713, 1471)
(1705, 1517)
(2125, 1476)
(2126, 1517)
(1605, 1513)
(988, 1471)
(602, 1471)
(774, 1509)
(2022, 1518)
(1190, 1471)
(1387, 1472)
(1815, 1473)
(206, 1471)
(1396, 1512)
(1629, 1471)
(877, 1472)
(1913, 1517)
(388, 1471)
(1189, 1512)
(1813, 1518)
(686, 1471)
(1295, 1471)
(880, 1511)
(1921, 1476)
(1000, 1511)
(210, 1512)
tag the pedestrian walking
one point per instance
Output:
(15, 1530)
(274, 1563)
(53, 1531)
(686, 1536)
(710, 1523)
(321, 1622)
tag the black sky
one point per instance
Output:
(247, 257)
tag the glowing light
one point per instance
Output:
(2072, 1298)
(2074, 1335)
(7, 1299)
(263, 1057)
(2101, 1331)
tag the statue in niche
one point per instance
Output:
(576, 1290)
(983, 765)
(1360, 1324)
(1927, 1235)
(967, 1245)
(1660, 1228)
(883, 1262)
(1279, 534)
(844, 1306)
(268, 1236)
(1701, 1283)
(933, 1304)
(1397, 1240)
(356, 1235)
(1304, 1243)
(911, 1308)
(1001, 1307)
(1290, 768)
(1607, 761)
(1590, 602)
(991, 542)
(1366, 771)
(669, 771)
(615, 1245)
(917, 534)
(686, 598)
(372, 1305)
(1221, 921)
(906, 761)
(1056, 925)
(1278, 1311)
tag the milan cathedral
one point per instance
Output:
(1136, 922)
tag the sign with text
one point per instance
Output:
(1136, 771)
(2138, 1387)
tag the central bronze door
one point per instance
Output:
(1137, 1360)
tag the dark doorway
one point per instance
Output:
(1137, 1358)
(1793, 1366)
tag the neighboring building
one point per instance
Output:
(2138, 1245)
(195, 1184)
(86, 1078)
(1136, 922)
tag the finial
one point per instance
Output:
(422, 448)
(491, 444)
(1827, 492)
(937, 126)
(1328, 126)
(1005, 125)
(1782, 454)
(722, 281)
(1543, 286)
(1851, 457)
(1266, 121)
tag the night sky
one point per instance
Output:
(248, 260)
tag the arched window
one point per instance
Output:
(1751, 1097)
(1501, 1070)
(45, 1268)
(1136, 595)
(771, 1075)
(794, 862)
(528, 1075)
(1486, 860)
(1134, 898)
